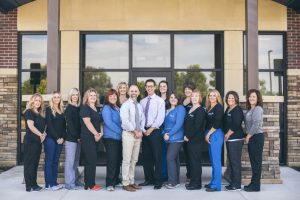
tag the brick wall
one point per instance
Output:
(8, 40)
(8, 89)
(293, 103)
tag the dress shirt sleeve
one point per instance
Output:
(161, 110)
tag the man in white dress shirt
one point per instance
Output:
(154, 110)
(133, 122)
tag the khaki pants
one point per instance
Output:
(131, 149)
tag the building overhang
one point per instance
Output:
(9, 5)
(294, 4)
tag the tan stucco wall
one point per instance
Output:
(69, 60)
(152, 15)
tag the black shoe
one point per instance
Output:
(157, 187)
(37, 188)
(193, 187)
(211, 190)
(207, 185)
(251, 189)
(146, 183)
(232, 188)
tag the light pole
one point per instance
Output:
(270, 74)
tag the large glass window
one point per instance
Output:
(151, 50)
(178, 57)
(33, 66)
(107, 51)
(194, 50)
(271, 64)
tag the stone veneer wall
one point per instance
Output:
(293, 86)
(8, 89)
(270, 165)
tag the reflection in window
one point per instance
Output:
(33, 82)
(271, 83)
(101, 81)
(203, 81)
(271, 64)
(34, 50)
(270, 48)
(194, 49)
(107, 51)
(151, 50)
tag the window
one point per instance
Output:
(270, 62)
(33, 66)
(151, 50)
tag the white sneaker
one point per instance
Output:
(56, 187)
(110, 188)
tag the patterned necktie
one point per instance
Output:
(137, 117)
(146, 110)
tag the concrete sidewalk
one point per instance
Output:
(11, 188)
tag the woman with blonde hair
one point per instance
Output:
(56, 131)
(214, 137)
(72, 144)
(122, 90)
(90, 136)
(34, 137)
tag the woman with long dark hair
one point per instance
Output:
(255, 137)
(173, 136)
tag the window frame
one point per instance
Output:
(20, 70)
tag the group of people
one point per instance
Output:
(161, 123)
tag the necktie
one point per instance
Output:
(137, 117)
(146, 110)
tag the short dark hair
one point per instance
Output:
(150, 80)
(234, 94)
(189, 85)
(259, 98)
(177, 97)
(108, 93)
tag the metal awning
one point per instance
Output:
(8, 5)
(294, 4)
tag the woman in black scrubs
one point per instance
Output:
(187, 103)
(34, 137)
(56, 131)
(234, 138)
(194, 127)
(90, 136)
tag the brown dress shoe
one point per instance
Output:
(136, 187)
(129, 188)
